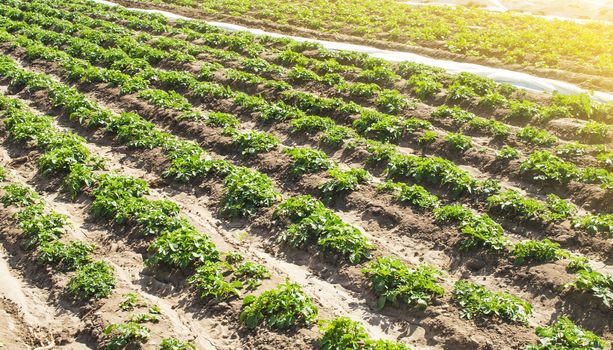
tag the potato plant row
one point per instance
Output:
(389, 100)
(535, 211)
(476, 240)
(493, 232)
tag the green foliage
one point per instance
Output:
(535, 136)
(40, 227)
(3, 173)
(564, 334)
(455, 113)
(412, 194)
(475, 301)
(596, 283)
(546, 167)
(311, 124)
(165, 99)
(281, 308)
(92, 281)
(111, 190)
(182, 248)
(223, 120)
(459, 142)
(523, 111)
(344, 334)
(68, 256)
(594, 224)
(343, 181)
(312, 222)
(594, 132)
(424, 86)
(255, 142)
(176, 344)
(124, 334)
(251, 273)
(482, 231)
(427, 138)
(507, 153)
(394, 281)
(246, 191)
(538, 251)
(452, 213)
(307, 160)
(432, 170)
(391, 101)
(130, 301)
(19, 195)
(210, 282)
(79, 178)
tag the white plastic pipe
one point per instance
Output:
(499, 75)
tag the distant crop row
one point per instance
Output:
(158, 98)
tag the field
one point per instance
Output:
(563, 50)
(170, 185)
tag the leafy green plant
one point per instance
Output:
(424, 86)
(594, 132)
(223, 120)
(312, 222)
(342, 333)
(594, 224)
(131, 301)
(507, 153)
(280, 308)
(564, 334)
(476, 301)
(482, 231)
(246, 191)
(523, 111)
(412, 194)
(182, 248)
(176, 344)
(538, 251)
(535, 136)
(427, 138)
(68, 256)
(459, 142)
(343, 181)
(3, 173)
(391, 101)
(546, 167)
(210, 282)
(255, 142)
(19, 195)
(124, 334)
(394, 281)
(307, 160)
(92, 281)
(596, 283)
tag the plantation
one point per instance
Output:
(166, 184)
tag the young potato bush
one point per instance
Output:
(344, 334)
(246, 191)
(280, 308)
(564, 334)
(92, 281)
(538, 251)
(475, 301)
(393, 281)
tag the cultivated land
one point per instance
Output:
(169, 185)
(563, 50)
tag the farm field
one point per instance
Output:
(558, 49)
(165, 184)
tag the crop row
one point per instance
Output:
(313, 124)
(377, 93)
(43, 235)
(478, 238)
(535, 210)
(521, 111)
(508, 38)
(589, 175)
(277, 307)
